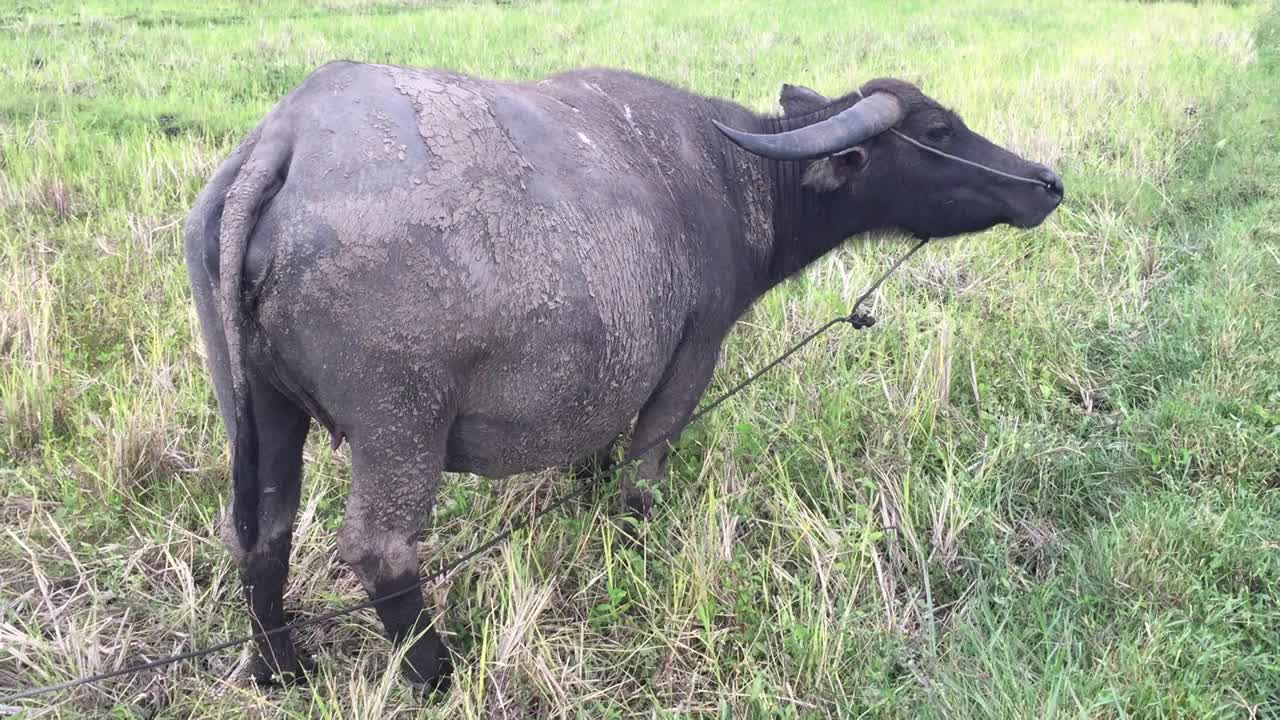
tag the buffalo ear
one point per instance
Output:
(831, 173)
(798, 100)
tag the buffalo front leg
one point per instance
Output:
(264, 567)
(395, 475)
(665, 414)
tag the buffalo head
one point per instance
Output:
(859, 154)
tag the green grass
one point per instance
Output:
(1046, 485)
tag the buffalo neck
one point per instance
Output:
(806, 224)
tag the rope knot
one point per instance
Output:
(860, 321)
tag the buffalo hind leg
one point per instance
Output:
(666, 411)
(264, 568)
(395, 473)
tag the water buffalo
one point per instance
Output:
(458, 274)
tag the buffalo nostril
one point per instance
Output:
(1052, 183)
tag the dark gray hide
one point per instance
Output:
(465, 275)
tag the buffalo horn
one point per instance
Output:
(872, 116)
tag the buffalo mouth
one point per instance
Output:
(1033, 219)
(1028, 223)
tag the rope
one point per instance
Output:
(957, 158)
(970, 163)
(854, 318)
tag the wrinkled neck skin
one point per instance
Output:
(806, 224)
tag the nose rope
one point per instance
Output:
(970, 163)
(949, 156)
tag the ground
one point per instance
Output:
(1047, 484)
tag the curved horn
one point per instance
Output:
(872, 116)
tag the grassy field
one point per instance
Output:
(1046, 485)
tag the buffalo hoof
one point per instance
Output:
(637, 504)
(630, 539)
(295, 673)
(631, 531)
(434, 680)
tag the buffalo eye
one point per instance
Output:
(939, 133)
